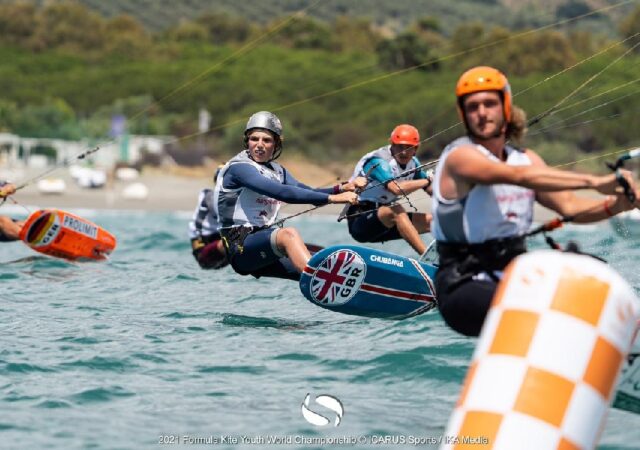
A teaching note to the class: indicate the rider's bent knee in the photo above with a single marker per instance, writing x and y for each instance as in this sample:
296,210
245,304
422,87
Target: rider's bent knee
289,234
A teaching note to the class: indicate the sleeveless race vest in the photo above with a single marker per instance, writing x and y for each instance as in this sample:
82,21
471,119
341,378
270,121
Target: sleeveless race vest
205,220
242,206
487,211
378,193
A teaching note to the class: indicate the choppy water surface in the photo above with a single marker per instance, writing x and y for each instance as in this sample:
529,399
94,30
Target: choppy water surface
117,354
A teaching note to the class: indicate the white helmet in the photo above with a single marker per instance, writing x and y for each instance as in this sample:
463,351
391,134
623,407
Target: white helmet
265,120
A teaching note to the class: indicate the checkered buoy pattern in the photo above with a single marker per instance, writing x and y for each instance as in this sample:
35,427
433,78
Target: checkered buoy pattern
547,360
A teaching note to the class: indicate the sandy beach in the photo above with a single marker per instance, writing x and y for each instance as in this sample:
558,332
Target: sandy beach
166,192
177,188
173,188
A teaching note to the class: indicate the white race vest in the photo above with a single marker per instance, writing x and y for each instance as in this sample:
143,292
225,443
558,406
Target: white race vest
376,192
488,211
242,206
205,220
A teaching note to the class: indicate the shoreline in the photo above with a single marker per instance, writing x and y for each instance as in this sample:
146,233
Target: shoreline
174,188
177,189
180,202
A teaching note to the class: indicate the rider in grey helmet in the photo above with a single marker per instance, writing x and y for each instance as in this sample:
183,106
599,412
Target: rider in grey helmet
247,197
266,121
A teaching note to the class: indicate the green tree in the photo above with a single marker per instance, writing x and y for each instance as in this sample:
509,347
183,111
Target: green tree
68,25
54,118
8,115
223,28
187,31
17,23
429,32
538,52
304,32
355,34
126,37
428,24
466,37
583,42
404,51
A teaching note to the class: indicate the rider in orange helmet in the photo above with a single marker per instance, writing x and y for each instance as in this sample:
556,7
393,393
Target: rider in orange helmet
484,191
392,172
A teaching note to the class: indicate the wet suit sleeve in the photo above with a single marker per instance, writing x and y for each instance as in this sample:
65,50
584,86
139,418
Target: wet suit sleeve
377,169
245,175
290,180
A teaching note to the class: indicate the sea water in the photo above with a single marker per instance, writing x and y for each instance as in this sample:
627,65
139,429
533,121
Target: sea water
147,350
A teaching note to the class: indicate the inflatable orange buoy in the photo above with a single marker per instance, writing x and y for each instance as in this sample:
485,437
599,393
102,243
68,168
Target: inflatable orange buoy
65,235
550,351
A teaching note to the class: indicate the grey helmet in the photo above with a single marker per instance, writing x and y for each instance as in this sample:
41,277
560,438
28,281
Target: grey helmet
267,121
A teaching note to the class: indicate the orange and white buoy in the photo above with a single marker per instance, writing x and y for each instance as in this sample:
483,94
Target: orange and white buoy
546,363
65,235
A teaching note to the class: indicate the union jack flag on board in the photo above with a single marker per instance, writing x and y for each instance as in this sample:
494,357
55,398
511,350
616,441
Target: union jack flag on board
338,277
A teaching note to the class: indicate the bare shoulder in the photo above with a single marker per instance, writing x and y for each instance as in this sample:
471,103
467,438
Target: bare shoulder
470,165
464,151
536,159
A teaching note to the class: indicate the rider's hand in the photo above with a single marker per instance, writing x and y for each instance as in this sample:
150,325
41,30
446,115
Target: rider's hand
360,182
608,184
430,173
7,190
344,197
356,184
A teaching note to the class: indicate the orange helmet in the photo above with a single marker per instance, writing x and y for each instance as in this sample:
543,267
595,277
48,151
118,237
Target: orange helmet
405,134
483,78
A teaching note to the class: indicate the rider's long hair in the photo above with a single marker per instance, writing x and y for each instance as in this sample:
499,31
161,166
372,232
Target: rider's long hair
517,126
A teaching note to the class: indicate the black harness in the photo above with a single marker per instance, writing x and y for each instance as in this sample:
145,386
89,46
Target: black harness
464,261
233,238
354,211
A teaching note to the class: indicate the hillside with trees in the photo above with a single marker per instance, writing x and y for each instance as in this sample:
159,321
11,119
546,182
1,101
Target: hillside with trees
338,84
389,15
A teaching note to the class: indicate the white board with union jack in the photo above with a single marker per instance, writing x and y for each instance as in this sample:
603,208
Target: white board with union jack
368,282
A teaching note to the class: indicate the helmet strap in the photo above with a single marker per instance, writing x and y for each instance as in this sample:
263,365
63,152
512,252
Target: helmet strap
277,152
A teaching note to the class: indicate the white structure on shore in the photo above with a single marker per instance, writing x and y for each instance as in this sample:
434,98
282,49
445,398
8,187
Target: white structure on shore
16,151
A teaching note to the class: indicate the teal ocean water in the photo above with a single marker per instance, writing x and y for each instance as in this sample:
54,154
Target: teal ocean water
147,348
